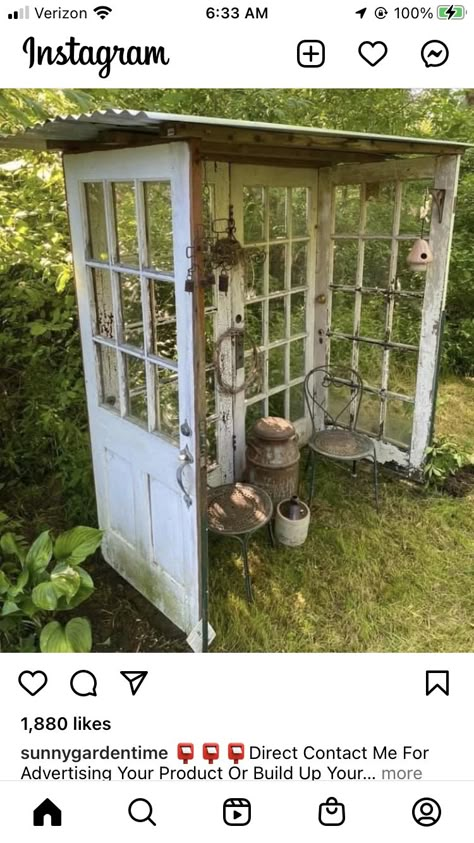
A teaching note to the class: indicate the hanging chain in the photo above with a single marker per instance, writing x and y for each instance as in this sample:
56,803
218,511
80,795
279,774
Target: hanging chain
424,212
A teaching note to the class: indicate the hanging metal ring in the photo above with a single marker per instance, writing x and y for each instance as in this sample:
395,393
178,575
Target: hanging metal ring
222,384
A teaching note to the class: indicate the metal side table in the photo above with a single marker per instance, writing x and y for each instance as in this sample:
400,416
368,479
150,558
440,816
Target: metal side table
238,510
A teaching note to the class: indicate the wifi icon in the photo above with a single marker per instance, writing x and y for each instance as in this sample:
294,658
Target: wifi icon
102,11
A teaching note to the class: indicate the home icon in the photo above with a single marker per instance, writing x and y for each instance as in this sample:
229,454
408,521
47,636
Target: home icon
47,809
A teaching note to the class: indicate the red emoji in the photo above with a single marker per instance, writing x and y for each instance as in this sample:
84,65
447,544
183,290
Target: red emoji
236,752
185,752
210,752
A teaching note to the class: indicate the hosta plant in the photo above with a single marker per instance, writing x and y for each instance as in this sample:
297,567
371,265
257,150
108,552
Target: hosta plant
443,459
47,578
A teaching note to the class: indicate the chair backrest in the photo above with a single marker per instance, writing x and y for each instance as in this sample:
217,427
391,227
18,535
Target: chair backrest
317,386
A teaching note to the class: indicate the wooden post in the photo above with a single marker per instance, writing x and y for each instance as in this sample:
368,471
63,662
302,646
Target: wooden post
199,363
441,232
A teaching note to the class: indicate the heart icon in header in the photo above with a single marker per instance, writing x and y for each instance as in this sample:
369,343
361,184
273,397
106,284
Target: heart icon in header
373,51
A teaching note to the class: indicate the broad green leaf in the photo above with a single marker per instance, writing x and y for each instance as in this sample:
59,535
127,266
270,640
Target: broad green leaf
83,593
40,552
37,329
86,579
10,546
79,635
75,637
66,584
9,607
44,596
53,639
18,587
63,569
77,544
4,582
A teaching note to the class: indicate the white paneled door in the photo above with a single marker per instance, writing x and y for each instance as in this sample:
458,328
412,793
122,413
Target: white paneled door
130,225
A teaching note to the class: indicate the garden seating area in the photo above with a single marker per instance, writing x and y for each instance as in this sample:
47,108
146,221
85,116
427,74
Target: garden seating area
188,279
399,580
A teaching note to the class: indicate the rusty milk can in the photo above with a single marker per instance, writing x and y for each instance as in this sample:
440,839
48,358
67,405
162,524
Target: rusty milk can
273,457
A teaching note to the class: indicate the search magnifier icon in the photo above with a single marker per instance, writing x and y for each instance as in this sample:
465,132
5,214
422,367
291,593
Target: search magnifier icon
140,811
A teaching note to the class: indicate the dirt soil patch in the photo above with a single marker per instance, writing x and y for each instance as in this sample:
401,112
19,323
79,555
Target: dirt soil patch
123,621
461,484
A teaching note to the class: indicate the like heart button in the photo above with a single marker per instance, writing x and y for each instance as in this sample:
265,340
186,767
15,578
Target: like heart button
373,51
32,682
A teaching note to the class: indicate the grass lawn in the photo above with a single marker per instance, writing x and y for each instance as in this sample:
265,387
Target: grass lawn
401,580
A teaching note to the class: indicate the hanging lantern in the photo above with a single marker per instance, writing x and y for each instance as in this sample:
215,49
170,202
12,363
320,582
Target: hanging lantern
420,255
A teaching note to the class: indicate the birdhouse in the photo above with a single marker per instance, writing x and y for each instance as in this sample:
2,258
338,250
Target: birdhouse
420,255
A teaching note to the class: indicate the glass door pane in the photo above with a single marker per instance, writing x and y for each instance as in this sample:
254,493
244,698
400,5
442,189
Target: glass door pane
277,219
135,318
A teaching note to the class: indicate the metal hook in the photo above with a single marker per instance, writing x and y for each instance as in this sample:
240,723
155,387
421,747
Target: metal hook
439,198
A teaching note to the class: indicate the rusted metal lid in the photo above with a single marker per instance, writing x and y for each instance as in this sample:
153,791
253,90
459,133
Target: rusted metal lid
274,428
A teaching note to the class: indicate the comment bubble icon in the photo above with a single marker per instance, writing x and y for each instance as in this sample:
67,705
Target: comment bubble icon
84,684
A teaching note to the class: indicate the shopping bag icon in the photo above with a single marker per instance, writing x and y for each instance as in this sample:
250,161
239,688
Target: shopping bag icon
332,812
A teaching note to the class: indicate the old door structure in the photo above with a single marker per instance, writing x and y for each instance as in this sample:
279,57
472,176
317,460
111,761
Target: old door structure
275,211
178,366
333,287
130,225
381,317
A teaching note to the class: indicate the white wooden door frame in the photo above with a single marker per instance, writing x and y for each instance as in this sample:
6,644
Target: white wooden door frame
216,176
444,171
152,459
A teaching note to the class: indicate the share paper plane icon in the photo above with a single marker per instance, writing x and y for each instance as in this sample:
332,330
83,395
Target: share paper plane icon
135,678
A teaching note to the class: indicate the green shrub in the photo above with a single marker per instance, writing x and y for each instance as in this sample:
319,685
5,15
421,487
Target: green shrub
46,578
443,459
43,408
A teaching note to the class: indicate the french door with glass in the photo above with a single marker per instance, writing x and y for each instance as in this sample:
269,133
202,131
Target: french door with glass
130,223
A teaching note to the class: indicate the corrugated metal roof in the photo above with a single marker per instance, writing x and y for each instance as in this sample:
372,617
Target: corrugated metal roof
85,128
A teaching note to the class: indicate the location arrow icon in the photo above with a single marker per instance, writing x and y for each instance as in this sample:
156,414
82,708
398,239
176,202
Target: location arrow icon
361,12
135,679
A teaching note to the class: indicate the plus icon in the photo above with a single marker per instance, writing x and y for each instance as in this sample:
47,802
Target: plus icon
311,54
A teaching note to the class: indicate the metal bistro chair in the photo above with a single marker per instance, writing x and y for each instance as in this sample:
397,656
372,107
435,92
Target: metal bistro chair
339,441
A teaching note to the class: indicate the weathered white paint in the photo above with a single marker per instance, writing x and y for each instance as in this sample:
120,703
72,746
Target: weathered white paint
324,268
400,169
217,175
150,534
446,178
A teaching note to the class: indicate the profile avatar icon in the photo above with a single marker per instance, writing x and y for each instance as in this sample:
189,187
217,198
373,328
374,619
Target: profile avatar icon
426,812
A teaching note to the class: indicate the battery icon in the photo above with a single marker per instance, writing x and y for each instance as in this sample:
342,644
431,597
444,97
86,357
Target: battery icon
451,12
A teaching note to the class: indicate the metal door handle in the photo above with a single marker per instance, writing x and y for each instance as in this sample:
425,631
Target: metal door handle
185,458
